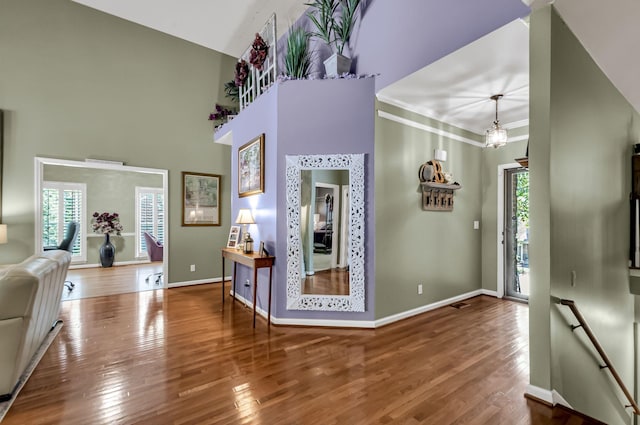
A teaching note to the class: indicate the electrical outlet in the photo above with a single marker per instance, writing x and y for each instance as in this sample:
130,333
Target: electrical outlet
247,283
420,289
476,225
573,277
193,267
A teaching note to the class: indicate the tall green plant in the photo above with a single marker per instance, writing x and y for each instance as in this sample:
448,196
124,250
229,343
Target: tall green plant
321,15
343,27
297,58
332,27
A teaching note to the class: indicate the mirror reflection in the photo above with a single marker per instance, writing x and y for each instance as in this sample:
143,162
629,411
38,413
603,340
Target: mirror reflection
324,234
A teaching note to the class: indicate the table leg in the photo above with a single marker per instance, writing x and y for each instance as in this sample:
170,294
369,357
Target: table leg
223,282
269,313
255,291
235,269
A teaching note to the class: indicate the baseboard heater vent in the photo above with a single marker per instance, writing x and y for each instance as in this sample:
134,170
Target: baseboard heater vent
459,305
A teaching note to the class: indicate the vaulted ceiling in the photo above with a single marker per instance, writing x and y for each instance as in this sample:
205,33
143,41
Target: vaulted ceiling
608,30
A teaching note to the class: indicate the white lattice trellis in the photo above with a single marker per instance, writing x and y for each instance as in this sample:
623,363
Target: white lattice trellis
259,81
296,300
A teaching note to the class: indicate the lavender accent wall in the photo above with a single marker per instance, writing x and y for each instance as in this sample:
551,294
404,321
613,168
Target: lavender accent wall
395,39
303,117
260,117
324,117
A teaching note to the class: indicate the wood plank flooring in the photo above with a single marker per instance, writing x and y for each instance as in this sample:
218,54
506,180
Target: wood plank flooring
99,281
327,282
173,357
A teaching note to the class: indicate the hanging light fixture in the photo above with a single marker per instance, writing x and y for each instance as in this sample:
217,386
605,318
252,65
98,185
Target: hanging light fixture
496,135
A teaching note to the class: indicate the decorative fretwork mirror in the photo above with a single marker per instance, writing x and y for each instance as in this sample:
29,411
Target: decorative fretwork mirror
298,216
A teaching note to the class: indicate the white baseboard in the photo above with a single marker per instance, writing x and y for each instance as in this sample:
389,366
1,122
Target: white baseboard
195,282
117,263
307,322
539,393
366,324
558,399
552,397
423,309
489,293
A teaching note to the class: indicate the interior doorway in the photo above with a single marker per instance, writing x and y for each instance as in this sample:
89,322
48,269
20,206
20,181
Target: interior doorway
325,221
69,190
515,233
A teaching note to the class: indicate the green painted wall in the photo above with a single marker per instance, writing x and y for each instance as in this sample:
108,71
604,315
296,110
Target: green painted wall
491,159
440,250
539,203
77,83
591,128
111,191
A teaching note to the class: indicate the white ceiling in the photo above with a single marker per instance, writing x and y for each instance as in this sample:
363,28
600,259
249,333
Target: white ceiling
455,89
227,26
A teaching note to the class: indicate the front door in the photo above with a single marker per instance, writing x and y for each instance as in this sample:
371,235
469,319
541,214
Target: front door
516,234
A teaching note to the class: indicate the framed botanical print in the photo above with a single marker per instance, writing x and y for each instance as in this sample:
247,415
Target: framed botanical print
200,199
251,167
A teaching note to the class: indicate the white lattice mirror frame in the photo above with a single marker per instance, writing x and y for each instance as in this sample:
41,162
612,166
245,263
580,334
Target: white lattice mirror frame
296,300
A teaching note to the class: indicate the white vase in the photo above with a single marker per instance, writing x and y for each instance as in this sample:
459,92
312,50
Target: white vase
336,65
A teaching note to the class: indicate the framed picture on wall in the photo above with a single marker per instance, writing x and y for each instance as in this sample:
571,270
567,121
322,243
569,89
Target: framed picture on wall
251,167
234,237
200,199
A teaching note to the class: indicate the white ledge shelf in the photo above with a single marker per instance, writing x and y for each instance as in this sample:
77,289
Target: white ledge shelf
434,185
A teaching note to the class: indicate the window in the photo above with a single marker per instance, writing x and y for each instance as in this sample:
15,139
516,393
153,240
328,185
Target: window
149,217
61,204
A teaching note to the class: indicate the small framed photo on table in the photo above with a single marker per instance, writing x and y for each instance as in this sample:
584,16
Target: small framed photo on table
234,237
263,251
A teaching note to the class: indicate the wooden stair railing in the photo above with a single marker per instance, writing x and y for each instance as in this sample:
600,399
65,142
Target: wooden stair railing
583,324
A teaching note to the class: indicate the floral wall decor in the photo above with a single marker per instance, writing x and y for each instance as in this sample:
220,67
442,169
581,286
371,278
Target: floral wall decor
259,52
242,73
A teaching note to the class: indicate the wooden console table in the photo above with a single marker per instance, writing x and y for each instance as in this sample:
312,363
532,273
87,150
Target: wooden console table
255,261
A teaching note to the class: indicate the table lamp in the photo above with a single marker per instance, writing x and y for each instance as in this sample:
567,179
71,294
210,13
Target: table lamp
3,233
244,217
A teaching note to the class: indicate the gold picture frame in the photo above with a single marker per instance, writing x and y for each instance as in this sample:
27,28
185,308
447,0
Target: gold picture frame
200,199
251,167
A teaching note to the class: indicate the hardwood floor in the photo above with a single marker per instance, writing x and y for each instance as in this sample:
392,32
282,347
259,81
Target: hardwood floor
97,282
327,282
173,357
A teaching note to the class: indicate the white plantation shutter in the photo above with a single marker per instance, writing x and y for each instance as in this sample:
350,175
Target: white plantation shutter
61,204
149,217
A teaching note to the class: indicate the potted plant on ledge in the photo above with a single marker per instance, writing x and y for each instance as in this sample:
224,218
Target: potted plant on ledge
334,22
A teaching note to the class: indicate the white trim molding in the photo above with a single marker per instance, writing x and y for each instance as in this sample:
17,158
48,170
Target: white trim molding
440,132
40,162
429,129
363,324
539,393
117,263
196,282
423,309
500,226
548,396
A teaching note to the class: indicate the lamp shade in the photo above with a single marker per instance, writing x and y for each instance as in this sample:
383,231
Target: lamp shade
245,216
3,233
